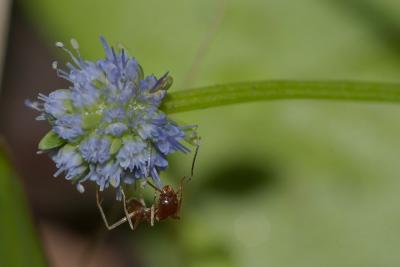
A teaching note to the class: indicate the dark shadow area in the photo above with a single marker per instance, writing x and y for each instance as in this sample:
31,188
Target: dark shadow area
241,178
381,23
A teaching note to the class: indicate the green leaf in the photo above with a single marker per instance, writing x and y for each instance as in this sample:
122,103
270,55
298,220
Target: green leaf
50,140
18,243
235,93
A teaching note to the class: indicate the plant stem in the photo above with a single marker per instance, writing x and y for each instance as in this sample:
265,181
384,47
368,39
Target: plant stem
235,93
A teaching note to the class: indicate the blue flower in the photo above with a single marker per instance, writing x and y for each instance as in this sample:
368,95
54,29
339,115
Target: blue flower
107,125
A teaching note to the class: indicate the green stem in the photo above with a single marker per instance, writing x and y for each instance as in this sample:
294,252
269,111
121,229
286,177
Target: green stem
235,93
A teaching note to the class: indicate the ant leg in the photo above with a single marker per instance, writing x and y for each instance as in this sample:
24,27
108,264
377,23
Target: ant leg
152,209
123,220
118,223
155,197
180,192
152,215
98,201
126,210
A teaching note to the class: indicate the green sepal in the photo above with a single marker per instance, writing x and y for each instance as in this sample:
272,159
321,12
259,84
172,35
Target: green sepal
141,72
51,140
115,146
167,83
68,105
97,83
164,83
90,121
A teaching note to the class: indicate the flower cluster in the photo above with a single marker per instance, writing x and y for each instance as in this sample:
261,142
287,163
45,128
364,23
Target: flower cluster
107,127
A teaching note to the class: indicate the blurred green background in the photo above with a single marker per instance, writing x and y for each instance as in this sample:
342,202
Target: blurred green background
288,183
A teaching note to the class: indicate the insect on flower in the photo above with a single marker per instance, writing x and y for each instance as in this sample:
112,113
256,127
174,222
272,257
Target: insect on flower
103,125
168,205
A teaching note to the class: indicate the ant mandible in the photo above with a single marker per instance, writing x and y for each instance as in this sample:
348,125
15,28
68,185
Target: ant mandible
168,205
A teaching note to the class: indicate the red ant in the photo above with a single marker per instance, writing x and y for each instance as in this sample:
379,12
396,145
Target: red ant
168,205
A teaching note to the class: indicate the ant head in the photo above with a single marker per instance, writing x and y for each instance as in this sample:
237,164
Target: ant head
168,201
168,190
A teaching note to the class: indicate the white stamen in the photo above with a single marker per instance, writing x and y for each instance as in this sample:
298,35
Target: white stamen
54,65
41,117
33,104
74,44
80,188
59,45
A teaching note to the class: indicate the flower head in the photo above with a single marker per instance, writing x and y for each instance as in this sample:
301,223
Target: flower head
107,127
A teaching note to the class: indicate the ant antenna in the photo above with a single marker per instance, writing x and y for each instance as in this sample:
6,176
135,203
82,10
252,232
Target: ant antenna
193,162
126,210
153,186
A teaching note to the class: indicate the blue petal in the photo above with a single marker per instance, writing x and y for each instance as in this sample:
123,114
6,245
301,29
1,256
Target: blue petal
106,47
133,154
115,114
68,126
95,150
54,104
69,160
116,129
132,70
